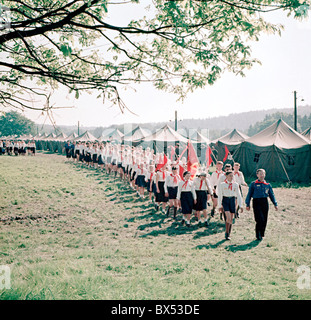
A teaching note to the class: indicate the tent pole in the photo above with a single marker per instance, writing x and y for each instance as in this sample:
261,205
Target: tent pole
295,110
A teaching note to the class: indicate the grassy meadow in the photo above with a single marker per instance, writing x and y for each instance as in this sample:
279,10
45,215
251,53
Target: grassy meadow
69,232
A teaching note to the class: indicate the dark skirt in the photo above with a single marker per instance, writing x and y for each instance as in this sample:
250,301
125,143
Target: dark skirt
228,204
140,181
100,160
132,174
160,197
95,158
87,157
186,201
172,192
153,187
201,200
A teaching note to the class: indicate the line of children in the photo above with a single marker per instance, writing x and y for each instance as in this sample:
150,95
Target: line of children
17,147
167,189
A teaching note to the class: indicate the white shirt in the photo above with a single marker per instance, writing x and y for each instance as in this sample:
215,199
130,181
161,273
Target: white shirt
227,189
239,177
221,179
186,186
215,177
169,181
204,186
161,176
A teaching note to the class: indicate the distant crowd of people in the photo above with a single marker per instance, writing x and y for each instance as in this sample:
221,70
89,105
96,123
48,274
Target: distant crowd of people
170,186
17,147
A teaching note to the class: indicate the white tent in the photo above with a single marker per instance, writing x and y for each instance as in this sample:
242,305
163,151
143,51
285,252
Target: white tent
85,137
165,134
72,137
136,134
114,136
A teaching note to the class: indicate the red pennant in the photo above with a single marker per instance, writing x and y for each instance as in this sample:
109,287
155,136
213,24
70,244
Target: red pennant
226,155
209,159
193,161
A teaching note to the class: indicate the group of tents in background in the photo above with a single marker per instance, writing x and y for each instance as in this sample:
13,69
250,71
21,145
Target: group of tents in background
284,153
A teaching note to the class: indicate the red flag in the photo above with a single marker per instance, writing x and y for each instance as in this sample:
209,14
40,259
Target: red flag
172,153
181,172
209,159
192,161
226,155
162,163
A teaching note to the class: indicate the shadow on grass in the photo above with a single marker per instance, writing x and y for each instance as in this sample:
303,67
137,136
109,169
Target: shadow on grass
210,245
232,248
243,247
176,228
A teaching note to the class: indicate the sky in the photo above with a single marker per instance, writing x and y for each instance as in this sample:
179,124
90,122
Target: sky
286,67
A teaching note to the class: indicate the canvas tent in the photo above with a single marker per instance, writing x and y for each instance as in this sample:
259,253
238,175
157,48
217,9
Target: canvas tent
49,137
280,150
231,140
163,138
114,136
85,137
307,133
200,144
137,134
60,137
72,136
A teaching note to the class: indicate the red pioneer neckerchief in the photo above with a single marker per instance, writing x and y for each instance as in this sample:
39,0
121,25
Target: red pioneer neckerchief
230,184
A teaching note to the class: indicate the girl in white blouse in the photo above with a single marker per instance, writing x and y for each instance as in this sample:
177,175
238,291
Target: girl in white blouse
228,194
187,197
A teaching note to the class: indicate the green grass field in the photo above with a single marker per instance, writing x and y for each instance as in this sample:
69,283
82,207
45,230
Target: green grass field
68,232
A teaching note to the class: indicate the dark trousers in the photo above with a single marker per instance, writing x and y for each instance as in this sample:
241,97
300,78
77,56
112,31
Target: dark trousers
261,208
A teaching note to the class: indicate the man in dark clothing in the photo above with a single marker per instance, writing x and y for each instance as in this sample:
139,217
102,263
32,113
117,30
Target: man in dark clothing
260,190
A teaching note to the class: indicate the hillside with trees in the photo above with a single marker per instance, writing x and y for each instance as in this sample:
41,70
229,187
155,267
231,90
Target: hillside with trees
248,122
303,123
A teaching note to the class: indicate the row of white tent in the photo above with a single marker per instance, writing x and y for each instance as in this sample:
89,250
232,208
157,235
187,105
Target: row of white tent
282,151
139,134
164,134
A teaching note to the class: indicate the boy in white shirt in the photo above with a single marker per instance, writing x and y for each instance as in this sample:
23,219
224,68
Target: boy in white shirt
214,182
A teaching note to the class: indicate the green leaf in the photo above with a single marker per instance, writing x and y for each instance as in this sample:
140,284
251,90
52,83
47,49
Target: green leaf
66,50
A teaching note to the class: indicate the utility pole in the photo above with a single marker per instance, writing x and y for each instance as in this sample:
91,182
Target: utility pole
175,120
295,110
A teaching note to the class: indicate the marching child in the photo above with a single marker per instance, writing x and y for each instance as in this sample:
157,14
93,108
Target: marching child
187,197
202,189
171,188
228,193
150,180
214,182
